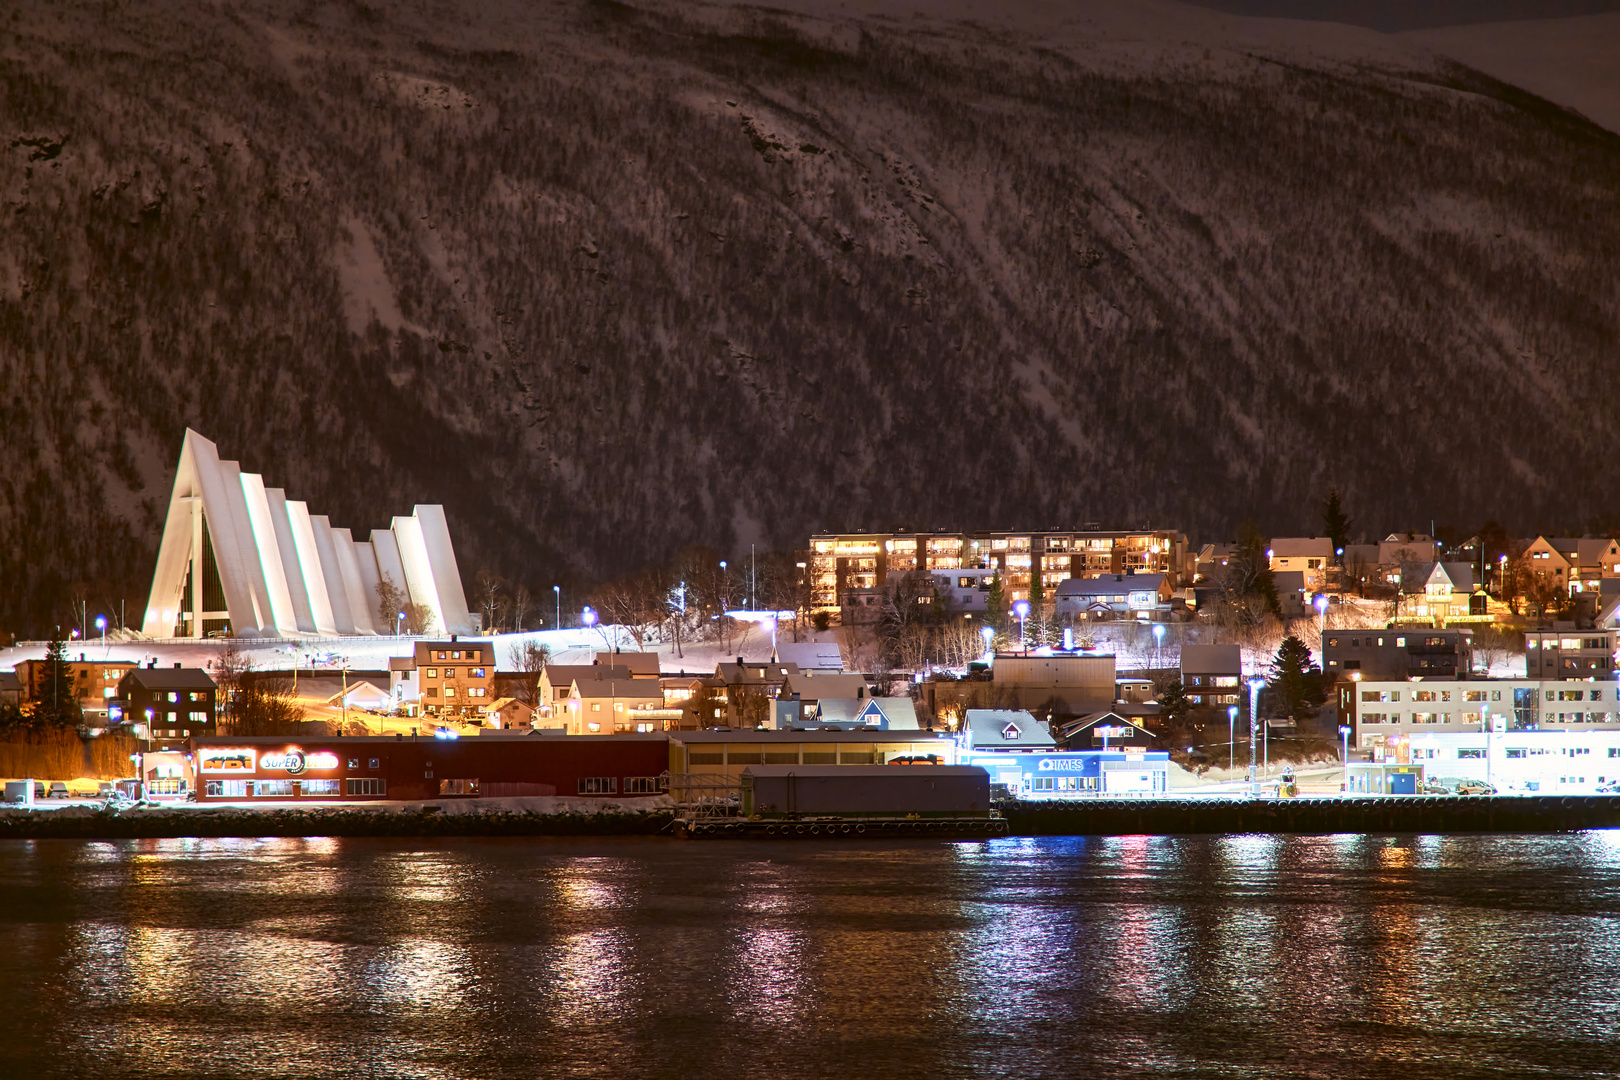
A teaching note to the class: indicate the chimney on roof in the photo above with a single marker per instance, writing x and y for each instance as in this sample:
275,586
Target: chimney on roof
452,639
739,661
151,665
177,665
81,658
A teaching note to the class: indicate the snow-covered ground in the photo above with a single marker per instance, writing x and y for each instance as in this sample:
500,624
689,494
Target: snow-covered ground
333,655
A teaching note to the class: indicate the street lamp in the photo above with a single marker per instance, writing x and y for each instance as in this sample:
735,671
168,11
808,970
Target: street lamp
1021,609
101,624
1254,719
1158,645
1231,737
556,594
1344,733
1485,726
989,634
588,616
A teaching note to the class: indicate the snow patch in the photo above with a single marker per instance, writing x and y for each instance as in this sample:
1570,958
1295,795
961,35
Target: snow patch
368,294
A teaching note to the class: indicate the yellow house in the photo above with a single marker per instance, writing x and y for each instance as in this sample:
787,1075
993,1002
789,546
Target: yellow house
605,706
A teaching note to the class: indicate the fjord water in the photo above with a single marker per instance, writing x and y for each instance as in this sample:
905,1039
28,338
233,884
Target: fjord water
1244,956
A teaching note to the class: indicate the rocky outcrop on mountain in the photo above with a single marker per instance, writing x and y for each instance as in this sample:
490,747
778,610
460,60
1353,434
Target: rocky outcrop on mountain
605,279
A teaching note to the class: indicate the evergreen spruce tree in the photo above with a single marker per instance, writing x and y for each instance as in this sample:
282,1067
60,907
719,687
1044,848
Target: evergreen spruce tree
996,605
1335,523
55,702
1296,680
1174,704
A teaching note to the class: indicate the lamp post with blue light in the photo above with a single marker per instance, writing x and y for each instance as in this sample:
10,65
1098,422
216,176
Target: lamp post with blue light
1021,609
1231,737
101,624
989,633
556,594
1254,721
1158,645
1344,734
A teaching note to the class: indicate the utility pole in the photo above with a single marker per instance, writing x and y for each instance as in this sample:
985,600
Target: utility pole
1254,719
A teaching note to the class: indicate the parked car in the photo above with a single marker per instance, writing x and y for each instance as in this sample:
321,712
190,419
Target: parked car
1474,787
39,790
1434,787
105,788
59,790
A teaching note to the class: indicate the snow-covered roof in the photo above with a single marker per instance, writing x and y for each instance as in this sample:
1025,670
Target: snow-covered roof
1007,729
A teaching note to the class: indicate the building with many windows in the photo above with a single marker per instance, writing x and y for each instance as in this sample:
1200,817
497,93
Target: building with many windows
1400,653
1569,654
444,678
842,563
1382,711
1568,762
95,683
167,706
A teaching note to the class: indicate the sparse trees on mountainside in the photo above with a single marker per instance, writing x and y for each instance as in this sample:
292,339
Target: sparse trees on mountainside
596,319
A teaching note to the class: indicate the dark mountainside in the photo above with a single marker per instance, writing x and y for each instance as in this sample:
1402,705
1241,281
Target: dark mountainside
607,280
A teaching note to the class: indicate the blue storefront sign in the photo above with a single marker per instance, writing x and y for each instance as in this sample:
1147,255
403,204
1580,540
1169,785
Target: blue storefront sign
1073,775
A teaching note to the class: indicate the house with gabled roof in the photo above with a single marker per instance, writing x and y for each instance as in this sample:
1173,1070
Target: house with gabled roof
885,713
1005,729
1104,730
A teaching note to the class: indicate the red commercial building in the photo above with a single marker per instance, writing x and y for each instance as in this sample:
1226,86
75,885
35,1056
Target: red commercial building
277,769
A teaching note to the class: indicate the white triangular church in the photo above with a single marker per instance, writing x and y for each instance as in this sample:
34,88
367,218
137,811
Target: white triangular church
242,559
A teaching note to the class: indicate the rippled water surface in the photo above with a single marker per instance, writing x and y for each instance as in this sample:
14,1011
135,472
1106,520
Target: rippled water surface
1243,956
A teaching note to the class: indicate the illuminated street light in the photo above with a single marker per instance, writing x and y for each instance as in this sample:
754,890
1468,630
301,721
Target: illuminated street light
1254,720
1231,737
989,633
101,624
588,616
1158,645
1021,609
556,594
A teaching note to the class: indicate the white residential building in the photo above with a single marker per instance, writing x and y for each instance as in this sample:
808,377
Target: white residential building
1517,762
1385,713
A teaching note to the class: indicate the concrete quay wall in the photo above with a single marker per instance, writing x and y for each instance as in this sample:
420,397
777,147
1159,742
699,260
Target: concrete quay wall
1356,814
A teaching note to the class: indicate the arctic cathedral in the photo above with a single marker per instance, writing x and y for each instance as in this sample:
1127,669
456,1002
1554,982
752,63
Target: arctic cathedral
242,560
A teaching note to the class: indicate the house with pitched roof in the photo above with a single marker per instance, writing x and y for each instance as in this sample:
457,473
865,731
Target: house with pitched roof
1005,729
1310,556
885,713
602,706
1144,597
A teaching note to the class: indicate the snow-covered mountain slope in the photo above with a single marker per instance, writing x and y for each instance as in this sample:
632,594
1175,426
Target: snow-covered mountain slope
606,278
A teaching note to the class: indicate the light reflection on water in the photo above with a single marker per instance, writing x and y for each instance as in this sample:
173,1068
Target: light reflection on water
1221,956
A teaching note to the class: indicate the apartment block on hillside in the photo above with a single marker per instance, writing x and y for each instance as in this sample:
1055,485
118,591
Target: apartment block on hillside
843,563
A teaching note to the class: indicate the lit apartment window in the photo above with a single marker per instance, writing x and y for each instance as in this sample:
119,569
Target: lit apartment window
432,673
